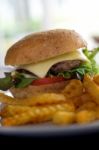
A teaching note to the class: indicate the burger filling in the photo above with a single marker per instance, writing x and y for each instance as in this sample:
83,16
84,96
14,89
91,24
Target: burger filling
73,65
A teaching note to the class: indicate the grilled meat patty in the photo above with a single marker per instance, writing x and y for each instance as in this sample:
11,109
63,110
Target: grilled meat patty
64,66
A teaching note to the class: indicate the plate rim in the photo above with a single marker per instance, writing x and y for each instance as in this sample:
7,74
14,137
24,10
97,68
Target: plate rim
47,131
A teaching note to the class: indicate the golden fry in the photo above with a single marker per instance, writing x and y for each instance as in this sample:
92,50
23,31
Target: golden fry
96,79
85,116
97,112
76,101
42,99
35,114
85,97
63,117
80,100
88,106
12,110
48,98
6,99
92,88
73,89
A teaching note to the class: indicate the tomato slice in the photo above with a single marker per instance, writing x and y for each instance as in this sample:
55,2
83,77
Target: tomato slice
47,80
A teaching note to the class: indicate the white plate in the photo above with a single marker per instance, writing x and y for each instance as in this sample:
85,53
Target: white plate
43,130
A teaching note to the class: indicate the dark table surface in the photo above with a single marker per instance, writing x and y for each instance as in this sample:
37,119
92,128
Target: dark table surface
83,140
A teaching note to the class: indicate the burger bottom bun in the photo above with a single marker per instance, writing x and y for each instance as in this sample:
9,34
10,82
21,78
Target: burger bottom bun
35,90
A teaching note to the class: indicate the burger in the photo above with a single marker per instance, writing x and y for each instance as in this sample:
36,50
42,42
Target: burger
46,62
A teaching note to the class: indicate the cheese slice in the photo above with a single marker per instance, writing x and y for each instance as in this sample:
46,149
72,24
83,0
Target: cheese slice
41,68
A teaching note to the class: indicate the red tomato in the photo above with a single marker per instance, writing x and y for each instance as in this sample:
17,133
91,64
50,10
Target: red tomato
47,80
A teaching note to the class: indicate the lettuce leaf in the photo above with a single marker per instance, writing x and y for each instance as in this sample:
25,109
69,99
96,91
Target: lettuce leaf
77,72
89,67
91,57
18,80
6,83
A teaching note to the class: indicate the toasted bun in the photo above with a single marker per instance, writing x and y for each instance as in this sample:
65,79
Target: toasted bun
43,45
35,90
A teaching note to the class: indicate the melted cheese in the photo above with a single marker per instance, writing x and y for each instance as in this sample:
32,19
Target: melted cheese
41,68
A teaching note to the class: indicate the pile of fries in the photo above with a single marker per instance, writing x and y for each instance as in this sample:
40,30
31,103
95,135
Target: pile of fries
77,103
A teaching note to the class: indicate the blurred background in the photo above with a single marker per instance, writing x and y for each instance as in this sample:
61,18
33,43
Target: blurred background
20,17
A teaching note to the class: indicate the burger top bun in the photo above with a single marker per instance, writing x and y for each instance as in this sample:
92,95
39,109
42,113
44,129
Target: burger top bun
43,45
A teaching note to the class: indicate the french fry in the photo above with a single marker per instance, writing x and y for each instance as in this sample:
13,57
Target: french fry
12,110
85,116
96,79
63,117
35,115
48,98
80,100
87,106
97,112
76,101
6,99
41,99
85,97
92,88
73,89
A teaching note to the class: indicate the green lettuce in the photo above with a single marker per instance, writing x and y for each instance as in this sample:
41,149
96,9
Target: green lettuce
90,67
77,72
91,57
6,83
17,80
20,81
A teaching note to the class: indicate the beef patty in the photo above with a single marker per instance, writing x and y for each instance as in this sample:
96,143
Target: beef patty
64,66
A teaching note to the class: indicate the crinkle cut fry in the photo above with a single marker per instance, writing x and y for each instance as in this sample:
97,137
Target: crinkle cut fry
73,89
92,88
34,115
11,110
42,99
